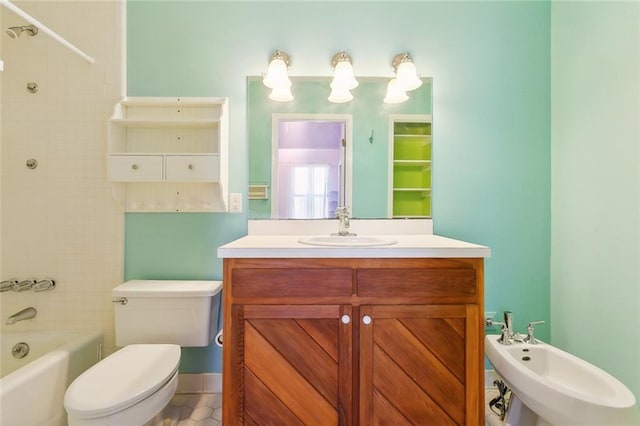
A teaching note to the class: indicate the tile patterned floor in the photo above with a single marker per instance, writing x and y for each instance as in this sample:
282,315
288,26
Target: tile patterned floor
192,410
206,410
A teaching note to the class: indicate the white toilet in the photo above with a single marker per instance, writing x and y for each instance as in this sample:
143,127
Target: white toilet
153,319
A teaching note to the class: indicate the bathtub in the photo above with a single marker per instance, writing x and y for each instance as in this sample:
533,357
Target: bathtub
32,388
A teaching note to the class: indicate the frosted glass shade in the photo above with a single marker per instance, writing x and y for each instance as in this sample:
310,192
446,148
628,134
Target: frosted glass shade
340,95
407,76
277,75
395,94
281,93
343,77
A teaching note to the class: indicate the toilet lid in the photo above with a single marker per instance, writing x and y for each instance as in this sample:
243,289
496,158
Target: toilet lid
121,380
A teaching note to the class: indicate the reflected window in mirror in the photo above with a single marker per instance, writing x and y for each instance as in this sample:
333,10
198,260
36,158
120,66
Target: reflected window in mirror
308,171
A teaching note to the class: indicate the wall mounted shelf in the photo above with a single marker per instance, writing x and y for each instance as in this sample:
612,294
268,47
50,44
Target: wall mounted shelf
169,154
410,166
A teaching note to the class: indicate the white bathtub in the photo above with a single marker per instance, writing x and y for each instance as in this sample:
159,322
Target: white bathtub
32,388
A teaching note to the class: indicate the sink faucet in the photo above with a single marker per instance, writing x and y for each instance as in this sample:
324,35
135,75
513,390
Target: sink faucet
24,314
342,214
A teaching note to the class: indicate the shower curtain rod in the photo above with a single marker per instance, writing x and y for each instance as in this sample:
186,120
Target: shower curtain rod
42,27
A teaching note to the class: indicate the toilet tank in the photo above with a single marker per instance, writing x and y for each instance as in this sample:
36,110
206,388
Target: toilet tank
184,313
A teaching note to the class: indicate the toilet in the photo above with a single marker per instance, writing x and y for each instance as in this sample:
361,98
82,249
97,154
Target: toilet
153,319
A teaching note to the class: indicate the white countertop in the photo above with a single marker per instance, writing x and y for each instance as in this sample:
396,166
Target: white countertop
407,246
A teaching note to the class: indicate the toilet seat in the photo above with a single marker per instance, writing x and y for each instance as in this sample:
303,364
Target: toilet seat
121,380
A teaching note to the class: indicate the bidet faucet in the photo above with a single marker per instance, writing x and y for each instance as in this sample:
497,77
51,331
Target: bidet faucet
504,338
342,214
24,314
530,330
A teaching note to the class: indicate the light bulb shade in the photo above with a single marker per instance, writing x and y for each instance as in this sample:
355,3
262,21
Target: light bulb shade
395,94
277,75
343,76
407,77
281,93
340,95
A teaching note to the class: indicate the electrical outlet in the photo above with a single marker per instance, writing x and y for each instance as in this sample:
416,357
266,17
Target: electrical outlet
235,202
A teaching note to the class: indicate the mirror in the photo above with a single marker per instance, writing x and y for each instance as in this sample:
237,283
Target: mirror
364,171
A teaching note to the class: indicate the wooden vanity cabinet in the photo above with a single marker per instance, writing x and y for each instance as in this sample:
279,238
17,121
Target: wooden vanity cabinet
353,341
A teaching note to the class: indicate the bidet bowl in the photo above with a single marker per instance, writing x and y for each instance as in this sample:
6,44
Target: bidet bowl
561,388
346,241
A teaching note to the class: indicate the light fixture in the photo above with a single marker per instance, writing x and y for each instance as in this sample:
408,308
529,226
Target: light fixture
277,77
343,79
406,75
281,94
340,95
395,94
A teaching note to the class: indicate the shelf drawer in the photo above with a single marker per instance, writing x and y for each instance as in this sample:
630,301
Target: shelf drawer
126,168
192,168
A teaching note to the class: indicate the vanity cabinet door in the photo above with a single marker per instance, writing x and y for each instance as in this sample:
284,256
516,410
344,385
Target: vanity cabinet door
414,365
294,364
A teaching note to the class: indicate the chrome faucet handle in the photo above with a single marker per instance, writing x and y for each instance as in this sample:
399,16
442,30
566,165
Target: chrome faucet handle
530,332
504,338
7,285
43,285
23,285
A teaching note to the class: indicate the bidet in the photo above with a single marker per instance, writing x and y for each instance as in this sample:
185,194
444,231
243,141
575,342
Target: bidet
552,387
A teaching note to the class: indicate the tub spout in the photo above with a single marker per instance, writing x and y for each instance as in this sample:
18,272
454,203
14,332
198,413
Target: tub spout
24,314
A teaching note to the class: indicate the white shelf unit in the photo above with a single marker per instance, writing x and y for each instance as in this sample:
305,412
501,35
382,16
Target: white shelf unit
169,154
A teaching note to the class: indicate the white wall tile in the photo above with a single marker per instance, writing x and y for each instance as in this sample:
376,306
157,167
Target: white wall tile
60,221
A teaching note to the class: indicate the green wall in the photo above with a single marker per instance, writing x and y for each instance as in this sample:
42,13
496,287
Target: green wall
596,185
490,66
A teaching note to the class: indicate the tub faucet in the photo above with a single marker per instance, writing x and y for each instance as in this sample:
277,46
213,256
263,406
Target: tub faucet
23,285
7,285
342,214
24,314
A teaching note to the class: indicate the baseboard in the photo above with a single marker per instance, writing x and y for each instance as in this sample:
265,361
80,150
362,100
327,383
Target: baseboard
200,383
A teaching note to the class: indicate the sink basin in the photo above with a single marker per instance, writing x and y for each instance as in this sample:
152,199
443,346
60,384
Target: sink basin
346,241
550,386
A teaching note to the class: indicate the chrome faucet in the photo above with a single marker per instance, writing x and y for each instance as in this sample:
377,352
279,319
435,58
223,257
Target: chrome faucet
504,338
7,285
530,330
24,314
23,285
43,285
342,214
508,321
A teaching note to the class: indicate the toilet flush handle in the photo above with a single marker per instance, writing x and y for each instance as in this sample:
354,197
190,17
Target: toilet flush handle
120,300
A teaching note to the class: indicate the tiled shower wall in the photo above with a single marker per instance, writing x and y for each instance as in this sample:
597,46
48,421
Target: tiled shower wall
60,220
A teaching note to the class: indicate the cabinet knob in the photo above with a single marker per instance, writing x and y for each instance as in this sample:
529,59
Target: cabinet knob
366,320
346,319
134,166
